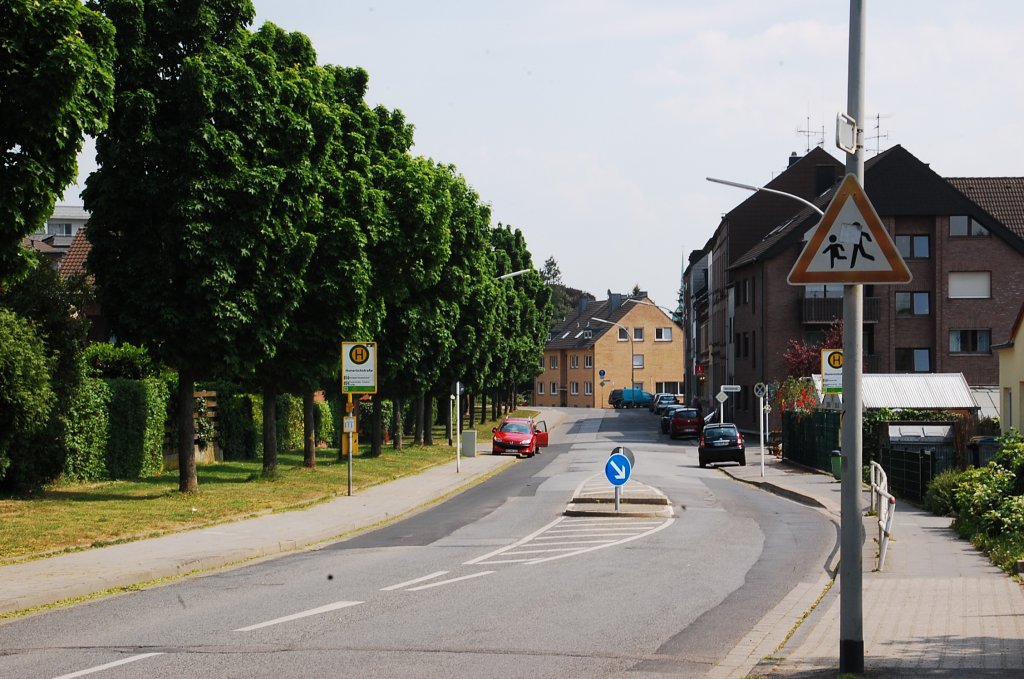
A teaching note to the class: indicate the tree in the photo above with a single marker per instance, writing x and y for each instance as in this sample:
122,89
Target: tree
195,244
56,85
27,398
550,273
803,359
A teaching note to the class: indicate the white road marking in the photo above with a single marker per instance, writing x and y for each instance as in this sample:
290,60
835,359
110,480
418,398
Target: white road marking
413,582
513,545
668,522
449,581
304,614
100,668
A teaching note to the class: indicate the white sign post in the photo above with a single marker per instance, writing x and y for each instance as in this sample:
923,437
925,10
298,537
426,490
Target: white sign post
721,397
759,391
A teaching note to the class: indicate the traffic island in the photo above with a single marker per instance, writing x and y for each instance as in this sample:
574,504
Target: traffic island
595,497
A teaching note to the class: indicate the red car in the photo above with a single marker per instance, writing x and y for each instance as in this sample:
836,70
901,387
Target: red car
685,422
519,435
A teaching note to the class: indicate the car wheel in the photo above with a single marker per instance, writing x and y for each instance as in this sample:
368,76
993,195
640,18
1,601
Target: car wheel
702,464
742,461
495,452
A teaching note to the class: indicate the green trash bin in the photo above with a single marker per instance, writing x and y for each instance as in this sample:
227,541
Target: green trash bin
837,465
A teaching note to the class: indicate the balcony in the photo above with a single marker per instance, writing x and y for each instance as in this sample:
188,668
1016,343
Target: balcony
825,309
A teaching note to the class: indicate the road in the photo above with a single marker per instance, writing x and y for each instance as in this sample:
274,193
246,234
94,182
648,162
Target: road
495,582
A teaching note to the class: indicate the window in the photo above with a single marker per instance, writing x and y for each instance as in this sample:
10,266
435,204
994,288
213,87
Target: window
962,225
638,334
540,387
663,334
912,303
554,388
753,349
746,345
554,362
574,361
913,247
588,333
623,335
574,388
970,284
588,388
638,360
58,229
970,341
829,290
913,360
588,361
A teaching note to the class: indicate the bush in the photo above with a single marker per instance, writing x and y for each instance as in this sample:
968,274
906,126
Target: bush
978,494
237,432
118,361
323,423
26,396
941,495
138,413
87,431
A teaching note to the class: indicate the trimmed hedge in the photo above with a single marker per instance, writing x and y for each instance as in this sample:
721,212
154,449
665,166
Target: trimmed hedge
87,431
138,412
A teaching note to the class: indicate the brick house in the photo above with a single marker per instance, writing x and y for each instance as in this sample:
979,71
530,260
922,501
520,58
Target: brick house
968,280
647,349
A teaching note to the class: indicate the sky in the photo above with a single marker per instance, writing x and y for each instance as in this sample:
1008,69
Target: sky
591,125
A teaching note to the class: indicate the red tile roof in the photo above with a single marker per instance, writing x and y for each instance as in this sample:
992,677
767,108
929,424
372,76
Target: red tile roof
74,261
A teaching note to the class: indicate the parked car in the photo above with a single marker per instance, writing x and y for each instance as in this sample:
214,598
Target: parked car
630,398
685,422
519,435
662,402
666,417
657,399
721,443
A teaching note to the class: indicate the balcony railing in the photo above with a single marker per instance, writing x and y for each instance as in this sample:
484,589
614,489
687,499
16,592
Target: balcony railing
826,309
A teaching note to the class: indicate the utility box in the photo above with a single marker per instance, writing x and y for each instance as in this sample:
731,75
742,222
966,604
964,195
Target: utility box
469,443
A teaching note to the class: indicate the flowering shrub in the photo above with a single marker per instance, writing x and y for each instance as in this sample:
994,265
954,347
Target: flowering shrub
796,394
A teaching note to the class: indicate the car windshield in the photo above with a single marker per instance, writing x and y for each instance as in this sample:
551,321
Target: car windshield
515,428
685,412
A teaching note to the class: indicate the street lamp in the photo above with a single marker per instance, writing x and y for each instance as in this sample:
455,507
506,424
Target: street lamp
514,274
748,187
647,302
632,366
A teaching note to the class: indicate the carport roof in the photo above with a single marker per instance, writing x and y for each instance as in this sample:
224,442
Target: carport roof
933,391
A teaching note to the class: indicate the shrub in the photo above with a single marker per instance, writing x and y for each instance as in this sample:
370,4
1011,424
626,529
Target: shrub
138,412
118,361
87,431
941,495
236,426
979,492
323,423
26,396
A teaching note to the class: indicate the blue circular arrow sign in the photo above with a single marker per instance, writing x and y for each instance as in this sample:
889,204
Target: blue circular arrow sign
617,469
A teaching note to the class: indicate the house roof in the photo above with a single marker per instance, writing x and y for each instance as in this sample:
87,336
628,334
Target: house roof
898,183
76,212
1001,197
571,332
74,261
931,391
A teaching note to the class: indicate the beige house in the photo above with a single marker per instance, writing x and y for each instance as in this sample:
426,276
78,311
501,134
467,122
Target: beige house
634,342
1011,377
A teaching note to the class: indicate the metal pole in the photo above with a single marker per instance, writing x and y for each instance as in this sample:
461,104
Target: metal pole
458,428
760,429
351,411
618,495
851,625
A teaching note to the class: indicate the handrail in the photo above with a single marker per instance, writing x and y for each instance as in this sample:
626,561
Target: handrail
885,510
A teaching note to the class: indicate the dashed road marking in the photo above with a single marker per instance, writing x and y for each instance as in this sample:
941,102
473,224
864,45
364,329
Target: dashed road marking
100,668
302,614
402,585
449,581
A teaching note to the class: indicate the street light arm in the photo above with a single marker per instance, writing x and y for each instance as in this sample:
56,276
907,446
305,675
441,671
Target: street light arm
748,187
514,274
634,300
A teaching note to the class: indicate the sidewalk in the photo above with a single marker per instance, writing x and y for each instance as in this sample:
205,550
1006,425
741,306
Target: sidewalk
938,609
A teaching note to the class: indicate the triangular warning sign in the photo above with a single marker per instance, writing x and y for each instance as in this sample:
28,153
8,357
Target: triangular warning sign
850,245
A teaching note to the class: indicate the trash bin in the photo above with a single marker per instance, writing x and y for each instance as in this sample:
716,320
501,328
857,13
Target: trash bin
983,449
469,443
837,465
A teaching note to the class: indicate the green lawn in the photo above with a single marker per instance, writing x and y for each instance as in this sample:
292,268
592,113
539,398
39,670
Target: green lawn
67,517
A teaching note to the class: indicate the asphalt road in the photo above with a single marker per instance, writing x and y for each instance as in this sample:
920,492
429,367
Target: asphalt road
495,582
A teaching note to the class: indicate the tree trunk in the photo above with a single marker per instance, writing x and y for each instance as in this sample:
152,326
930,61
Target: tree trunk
309,430
448,423
428,419
269,431
418,409
377,436
471,403
187,481
396,424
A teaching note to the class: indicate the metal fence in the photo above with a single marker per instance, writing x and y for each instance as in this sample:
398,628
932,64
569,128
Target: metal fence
810,438
911,469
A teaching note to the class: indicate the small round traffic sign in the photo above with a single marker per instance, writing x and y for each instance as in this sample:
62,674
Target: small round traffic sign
600,373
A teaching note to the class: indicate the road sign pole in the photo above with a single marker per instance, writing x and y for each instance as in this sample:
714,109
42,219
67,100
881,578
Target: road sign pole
760,428
618,496
851,624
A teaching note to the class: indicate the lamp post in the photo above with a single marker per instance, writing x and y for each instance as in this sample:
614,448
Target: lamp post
514,274
632,367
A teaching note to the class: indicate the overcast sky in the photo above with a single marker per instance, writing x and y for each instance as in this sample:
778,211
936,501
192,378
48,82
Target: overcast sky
591,124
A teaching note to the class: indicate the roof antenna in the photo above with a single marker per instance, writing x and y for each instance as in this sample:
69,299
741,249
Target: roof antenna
878,132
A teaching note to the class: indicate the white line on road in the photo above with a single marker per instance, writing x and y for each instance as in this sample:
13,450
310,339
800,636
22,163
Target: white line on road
100,668
413,582
668,522
514,544
449,581
304,614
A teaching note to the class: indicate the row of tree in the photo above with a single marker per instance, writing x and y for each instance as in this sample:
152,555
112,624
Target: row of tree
250,211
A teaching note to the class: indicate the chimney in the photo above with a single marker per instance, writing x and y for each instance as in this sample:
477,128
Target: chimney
614,300
582,305
793,157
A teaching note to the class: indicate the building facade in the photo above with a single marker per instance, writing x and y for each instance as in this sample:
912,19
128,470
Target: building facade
968,280
634,343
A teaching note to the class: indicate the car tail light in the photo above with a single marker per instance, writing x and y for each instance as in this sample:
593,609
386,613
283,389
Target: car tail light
739,439
700,442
